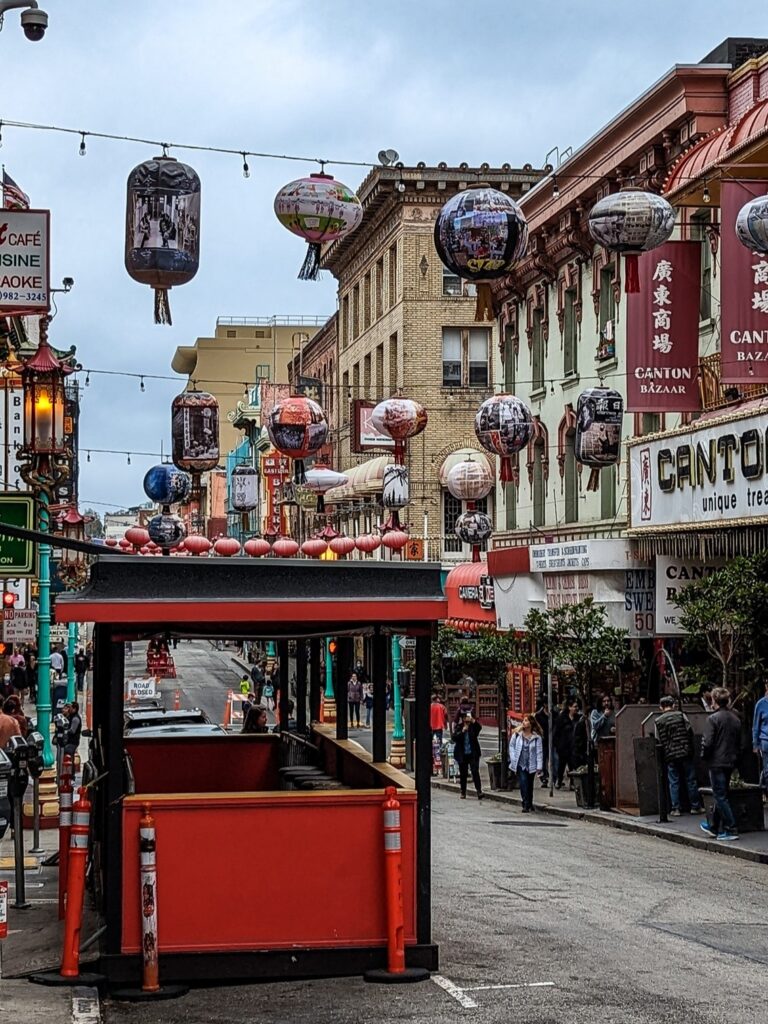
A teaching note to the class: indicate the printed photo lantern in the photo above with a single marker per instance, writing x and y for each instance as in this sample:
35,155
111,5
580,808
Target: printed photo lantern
166,530
399,418
395,490
599,418
474,528
320,479
504,426
195,431
629,223
167,485
752,225
479,235
470,480
318,209
162,228
297,427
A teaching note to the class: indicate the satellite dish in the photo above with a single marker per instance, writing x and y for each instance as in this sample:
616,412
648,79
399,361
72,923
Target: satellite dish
387,157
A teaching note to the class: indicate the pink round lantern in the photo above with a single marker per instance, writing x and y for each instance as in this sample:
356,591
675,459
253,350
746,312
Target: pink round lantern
399,418
320,210
144,550
197,545
285,547
342,546
395,540
368,543
321,479
227,547
152,546
110,542
314,547
137,536
125,545
257,546
470,480
297,427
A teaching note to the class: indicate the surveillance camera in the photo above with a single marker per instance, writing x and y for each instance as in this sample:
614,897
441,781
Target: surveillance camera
34,22
68,283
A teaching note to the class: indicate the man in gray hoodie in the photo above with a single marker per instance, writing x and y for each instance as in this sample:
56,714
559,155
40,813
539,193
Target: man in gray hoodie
720,749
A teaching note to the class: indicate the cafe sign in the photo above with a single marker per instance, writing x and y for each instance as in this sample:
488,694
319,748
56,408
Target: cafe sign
703,476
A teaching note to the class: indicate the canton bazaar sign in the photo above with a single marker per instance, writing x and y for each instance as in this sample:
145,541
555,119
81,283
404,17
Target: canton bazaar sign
707,476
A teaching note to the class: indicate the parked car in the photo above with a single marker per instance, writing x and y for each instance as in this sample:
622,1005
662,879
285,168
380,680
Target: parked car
177,729
143,718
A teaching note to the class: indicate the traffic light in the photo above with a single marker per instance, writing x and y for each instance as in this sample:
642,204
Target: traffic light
4,649
332,646
9,599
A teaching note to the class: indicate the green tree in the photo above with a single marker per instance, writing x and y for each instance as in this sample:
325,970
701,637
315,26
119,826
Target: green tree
96,527
726,611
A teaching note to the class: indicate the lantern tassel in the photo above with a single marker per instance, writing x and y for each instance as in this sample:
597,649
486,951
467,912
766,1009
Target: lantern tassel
484,303
310,268
299,474
593,484
320,503
632,280
162,307
506,469
475,552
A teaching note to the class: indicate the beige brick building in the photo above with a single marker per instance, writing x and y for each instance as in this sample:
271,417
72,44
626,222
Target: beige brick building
406,327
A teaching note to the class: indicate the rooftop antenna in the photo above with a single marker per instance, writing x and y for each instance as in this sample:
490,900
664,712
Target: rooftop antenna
388,157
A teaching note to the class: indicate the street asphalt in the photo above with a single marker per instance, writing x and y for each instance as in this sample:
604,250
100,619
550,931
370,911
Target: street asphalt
539,920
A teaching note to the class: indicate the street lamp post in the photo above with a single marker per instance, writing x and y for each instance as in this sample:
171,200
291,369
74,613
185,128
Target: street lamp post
397,749
45,465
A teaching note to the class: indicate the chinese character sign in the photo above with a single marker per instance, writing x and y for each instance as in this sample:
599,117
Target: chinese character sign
743,293
663,331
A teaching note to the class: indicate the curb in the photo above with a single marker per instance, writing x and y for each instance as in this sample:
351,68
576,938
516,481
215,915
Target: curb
623,824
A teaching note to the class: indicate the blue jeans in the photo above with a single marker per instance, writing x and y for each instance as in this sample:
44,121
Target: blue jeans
678,773
722,816
525,782
763,747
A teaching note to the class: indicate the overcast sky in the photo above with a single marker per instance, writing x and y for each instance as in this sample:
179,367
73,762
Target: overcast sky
475,81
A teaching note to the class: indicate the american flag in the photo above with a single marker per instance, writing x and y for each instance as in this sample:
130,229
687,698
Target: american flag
13,197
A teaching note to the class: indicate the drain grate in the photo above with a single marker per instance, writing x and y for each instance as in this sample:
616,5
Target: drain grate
532,824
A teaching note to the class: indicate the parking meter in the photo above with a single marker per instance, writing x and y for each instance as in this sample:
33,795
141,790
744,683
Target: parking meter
5,805
35,743
60,724
19,753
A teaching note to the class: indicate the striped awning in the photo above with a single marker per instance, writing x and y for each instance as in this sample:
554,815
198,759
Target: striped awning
363,479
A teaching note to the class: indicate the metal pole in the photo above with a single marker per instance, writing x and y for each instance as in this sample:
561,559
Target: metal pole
36,848
329,692
18,855
44,637
426,538
71,643
551,731
397,697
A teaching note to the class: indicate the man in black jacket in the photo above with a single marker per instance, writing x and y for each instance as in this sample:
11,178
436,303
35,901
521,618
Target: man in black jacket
466,751
720,748
675,734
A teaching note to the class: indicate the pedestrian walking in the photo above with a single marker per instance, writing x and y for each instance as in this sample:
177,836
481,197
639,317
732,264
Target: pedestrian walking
354,697
438,719
31,673
564,740
18,666
526,758
675,734
81,667
466,704
466,751
720,748
368,700
57,662
542,720
268,693
760,736
245,683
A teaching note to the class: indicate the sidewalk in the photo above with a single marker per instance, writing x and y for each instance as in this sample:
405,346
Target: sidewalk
685,830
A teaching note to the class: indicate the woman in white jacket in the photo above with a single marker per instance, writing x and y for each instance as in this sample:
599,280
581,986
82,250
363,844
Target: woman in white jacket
526,757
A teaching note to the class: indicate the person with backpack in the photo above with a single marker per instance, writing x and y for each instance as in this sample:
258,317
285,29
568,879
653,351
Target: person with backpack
674,733
268,693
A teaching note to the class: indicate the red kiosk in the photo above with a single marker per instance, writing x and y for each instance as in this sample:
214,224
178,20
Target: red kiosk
255,880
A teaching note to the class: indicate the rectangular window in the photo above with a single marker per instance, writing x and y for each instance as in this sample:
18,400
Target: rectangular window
344,321
263,371
571,481
510,499
478,356
392,275
451,357
607,300
379,372
452,509
367,301
537,351
356,380
650,423
393,358
509,360
367,376
344,397
355,311
380,288
451,283
608,492
570,334
538,485
699,223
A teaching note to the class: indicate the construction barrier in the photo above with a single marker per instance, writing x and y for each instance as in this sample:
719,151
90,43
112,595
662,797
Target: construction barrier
78,858
233,710
177,699
65,826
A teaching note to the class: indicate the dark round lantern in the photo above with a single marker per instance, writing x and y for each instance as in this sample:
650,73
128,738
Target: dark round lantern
195,431
167,485
631,222
599,418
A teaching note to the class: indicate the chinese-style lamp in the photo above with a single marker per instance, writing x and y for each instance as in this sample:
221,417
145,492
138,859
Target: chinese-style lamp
631,222
162,228
318,209
504,426
473,527
167,485
72,563
195,431
395,539
470,480
166,531
328,533
599,418
297,427
111,542
399,418
752,225
43,383
479,235
244,489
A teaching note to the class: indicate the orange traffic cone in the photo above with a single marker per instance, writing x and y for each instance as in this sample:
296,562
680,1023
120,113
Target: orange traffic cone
177,700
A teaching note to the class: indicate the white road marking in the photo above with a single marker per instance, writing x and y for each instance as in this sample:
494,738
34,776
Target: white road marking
454,991
85,1006
524,984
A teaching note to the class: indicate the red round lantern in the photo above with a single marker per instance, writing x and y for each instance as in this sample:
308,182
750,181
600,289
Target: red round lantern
137,536
367,543
285,547
144,550
197,545
297,427
227,547
110,542
257,546
395,540
124,544
342,546
314,547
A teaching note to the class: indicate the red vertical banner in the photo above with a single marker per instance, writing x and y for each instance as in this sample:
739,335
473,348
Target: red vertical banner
743,292
663,331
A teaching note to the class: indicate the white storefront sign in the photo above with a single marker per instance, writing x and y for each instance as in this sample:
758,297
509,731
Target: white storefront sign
713,475
580,556
24,261
672,575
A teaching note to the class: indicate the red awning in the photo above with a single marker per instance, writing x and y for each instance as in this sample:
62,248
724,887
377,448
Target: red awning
468,593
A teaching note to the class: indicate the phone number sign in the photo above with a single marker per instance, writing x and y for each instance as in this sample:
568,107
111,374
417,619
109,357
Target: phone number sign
24,261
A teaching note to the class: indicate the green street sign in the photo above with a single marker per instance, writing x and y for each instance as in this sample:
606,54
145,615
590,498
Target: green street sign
17,557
